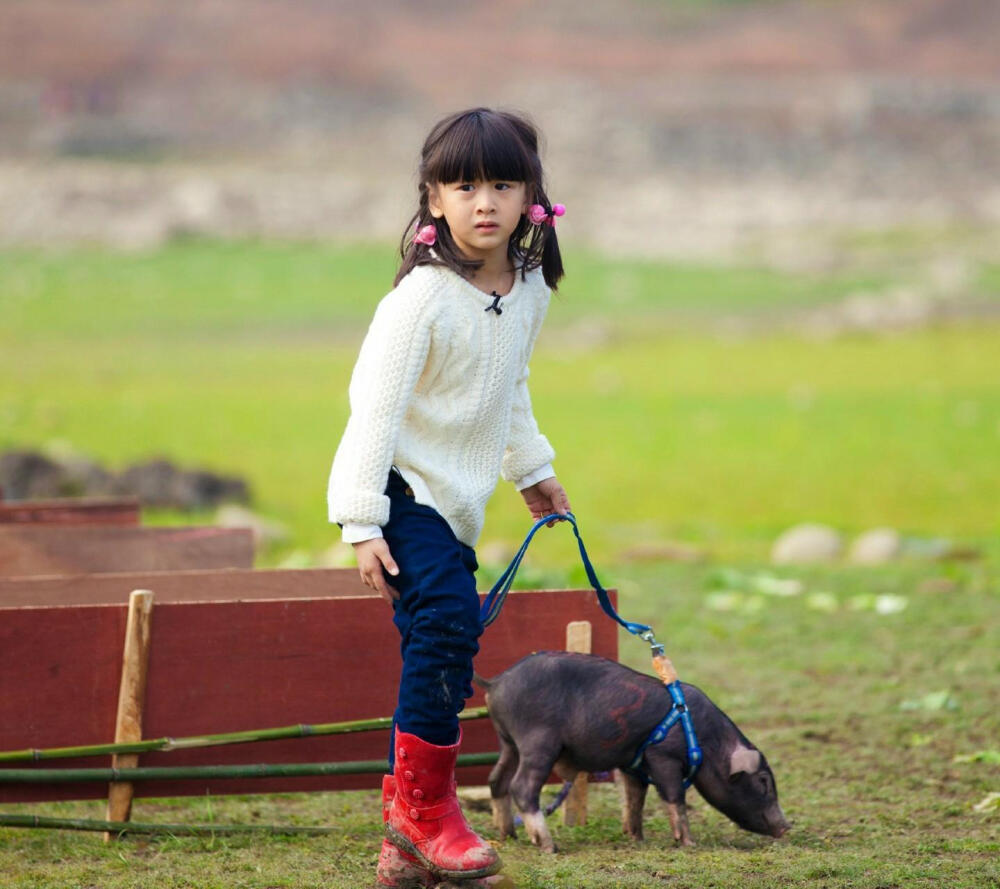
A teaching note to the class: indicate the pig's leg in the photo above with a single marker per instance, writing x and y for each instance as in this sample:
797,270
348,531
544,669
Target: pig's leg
500,777
526,788
679,823
668,776
634,798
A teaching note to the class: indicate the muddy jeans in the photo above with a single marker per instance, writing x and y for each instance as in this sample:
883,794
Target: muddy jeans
437,615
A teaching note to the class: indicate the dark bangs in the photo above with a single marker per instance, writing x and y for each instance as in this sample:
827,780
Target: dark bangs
477,145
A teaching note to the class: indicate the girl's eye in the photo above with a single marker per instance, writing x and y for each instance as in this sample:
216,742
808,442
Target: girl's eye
502,186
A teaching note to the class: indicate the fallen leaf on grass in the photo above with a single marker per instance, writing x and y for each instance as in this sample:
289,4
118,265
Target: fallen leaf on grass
725,579
932,702
724,601
733,600
988,756
731,580
770,585
989,803
823,602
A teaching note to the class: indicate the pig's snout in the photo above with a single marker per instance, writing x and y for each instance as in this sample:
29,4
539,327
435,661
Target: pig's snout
777,823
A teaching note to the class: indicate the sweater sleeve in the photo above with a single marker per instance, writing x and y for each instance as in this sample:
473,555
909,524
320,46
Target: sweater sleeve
389,365
527,451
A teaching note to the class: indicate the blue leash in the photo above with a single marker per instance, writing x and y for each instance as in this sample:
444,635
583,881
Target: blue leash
678,712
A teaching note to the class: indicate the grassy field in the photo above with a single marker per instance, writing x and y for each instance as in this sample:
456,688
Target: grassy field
873,691
236,357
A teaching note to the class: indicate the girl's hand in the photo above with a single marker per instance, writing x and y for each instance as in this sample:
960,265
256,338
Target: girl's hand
545,498
373,556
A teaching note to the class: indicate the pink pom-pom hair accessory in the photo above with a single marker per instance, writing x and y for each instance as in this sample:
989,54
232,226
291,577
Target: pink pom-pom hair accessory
426,235
539,215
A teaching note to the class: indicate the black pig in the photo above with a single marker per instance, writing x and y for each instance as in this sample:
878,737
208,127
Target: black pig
581,713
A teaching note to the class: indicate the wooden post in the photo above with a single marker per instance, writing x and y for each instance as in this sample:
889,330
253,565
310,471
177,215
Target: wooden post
578,638
131,698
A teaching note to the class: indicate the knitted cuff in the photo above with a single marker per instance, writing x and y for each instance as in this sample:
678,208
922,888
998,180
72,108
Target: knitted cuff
526,459
357,507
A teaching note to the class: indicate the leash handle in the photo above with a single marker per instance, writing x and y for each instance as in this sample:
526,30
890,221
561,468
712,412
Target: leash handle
498,594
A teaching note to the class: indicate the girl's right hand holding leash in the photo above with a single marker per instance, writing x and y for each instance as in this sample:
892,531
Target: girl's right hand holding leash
373,556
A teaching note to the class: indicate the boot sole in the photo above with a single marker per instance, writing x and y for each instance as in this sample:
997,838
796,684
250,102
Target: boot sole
401,842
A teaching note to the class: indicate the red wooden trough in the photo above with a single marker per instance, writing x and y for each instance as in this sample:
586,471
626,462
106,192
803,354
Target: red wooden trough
233,650
29,549
71,511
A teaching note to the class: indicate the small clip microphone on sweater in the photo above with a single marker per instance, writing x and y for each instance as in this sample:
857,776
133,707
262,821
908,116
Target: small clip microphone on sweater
496,304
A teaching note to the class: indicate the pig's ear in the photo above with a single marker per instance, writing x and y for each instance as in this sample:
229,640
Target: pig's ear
743,759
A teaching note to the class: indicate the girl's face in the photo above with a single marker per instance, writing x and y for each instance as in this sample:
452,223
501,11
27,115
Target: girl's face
481,214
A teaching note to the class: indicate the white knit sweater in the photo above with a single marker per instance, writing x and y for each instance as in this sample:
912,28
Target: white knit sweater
440,391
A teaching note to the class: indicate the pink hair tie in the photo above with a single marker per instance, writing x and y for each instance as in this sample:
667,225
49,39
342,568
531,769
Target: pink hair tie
539,215
426,235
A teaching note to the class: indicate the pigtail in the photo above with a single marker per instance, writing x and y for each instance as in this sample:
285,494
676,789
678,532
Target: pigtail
534,246
410,252
445,251
552,265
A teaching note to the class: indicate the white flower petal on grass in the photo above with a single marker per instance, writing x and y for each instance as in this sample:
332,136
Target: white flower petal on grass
889,604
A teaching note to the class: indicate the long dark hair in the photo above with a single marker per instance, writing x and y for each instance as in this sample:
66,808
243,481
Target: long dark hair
487,145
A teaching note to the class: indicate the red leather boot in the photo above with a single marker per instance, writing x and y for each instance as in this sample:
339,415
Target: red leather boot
396,869
425,819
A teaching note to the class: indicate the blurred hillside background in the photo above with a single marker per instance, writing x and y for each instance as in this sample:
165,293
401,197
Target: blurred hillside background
679,128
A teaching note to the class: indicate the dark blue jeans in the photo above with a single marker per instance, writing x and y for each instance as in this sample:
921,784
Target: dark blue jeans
437,615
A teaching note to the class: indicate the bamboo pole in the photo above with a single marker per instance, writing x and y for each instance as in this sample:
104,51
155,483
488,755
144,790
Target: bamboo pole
578,638
168,745
40,821
184,773
131,699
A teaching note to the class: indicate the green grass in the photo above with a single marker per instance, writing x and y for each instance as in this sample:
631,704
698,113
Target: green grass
872,788
236,357
207,289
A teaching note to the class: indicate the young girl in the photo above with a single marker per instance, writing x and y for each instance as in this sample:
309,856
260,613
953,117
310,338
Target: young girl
439,409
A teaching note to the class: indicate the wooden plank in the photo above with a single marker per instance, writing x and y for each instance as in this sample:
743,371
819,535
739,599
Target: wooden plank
84,511
131,699
227,666
27,550
220,585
